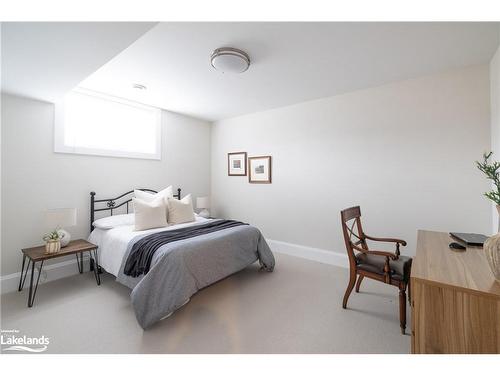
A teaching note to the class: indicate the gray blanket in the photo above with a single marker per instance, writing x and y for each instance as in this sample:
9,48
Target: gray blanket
179,269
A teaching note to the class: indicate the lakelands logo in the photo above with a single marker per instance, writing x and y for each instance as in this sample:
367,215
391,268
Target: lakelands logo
12,340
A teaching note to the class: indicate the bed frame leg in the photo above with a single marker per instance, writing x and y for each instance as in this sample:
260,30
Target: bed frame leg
99,270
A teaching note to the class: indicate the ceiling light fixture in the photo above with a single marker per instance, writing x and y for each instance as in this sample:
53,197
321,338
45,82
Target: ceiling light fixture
230,60
138,86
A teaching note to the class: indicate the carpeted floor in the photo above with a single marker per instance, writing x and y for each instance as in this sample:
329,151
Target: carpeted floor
295,309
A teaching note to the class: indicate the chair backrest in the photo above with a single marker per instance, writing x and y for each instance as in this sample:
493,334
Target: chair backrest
353,231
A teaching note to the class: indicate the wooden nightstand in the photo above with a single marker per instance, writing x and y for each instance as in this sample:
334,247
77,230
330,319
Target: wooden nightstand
37,254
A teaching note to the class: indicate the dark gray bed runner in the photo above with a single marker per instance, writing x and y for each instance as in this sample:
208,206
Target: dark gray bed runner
142,252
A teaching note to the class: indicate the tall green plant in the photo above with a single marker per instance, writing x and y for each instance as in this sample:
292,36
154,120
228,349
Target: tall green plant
492,171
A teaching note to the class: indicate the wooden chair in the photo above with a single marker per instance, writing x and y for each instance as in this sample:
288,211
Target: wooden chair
387,267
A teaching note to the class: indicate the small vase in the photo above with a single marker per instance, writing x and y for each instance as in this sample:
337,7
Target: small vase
492,252
52,246
64,237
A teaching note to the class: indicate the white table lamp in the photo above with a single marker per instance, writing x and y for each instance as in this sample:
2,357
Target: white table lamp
203,203
60,218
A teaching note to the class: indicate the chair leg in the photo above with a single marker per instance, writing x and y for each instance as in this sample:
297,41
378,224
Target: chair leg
350,286
358,284
409,292
402,309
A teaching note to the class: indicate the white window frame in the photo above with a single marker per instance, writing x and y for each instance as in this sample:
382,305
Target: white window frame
59,130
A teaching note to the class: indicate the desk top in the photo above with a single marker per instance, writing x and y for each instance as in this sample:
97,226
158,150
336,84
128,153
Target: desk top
38,253
468,270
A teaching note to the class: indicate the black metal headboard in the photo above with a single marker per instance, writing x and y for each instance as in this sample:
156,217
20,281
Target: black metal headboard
111,204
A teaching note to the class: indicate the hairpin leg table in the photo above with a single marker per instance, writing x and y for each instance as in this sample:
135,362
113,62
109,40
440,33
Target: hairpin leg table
38,255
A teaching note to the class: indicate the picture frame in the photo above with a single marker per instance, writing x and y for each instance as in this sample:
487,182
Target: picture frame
260,170
237,164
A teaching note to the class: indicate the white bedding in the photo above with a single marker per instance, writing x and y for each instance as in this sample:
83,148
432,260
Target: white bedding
113,242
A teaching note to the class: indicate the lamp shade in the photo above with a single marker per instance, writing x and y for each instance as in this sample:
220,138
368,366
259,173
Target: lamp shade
60,217
203,202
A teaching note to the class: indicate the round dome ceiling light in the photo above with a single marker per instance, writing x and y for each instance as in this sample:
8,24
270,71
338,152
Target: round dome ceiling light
230,60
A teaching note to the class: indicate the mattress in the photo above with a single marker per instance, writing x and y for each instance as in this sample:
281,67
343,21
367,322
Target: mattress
113,243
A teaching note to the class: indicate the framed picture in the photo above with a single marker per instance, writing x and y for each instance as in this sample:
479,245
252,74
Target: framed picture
237,164
260,170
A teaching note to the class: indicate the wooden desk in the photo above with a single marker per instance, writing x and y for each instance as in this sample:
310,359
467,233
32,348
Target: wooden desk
455,300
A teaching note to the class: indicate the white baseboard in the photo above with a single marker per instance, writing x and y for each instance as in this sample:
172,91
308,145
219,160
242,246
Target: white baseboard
10,283
311,253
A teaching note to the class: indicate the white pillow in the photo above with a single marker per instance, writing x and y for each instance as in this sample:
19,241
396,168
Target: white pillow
149,197
150,215
111,222
180,211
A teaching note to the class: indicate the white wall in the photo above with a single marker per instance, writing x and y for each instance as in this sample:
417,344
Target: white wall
404,152
495,118
34,178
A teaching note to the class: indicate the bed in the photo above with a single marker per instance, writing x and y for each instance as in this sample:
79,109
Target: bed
182,265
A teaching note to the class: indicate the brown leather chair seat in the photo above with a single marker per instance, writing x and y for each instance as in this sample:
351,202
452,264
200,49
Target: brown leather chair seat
400,268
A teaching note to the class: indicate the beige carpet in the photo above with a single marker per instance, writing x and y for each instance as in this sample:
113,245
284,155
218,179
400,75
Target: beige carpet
296,309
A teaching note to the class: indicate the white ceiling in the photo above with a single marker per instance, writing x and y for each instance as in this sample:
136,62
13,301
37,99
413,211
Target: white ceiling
43,60
291,62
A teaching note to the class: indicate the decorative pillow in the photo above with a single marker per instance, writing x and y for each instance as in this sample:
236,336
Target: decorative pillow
111,222
150,215
180,211
149,197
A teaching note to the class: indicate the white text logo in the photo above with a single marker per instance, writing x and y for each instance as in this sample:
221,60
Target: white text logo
11,340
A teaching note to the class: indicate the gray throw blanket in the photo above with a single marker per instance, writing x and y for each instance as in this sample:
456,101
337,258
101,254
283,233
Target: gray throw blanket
141,255
179,269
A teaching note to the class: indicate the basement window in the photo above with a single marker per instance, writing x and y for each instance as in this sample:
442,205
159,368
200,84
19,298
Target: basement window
92,123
